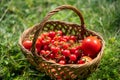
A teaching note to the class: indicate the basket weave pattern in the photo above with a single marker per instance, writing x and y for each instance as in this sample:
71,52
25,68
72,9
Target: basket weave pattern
55,70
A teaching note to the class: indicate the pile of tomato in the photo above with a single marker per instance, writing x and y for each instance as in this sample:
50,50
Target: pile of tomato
65,49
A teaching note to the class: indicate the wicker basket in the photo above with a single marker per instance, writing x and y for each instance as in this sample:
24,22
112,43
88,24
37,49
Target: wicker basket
55,70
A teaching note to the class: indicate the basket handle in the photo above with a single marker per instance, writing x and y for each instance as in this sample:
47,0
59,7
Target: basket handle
40,25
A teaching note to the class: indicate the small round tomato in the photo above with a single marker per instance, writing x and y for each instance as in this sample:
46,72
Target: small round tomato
81,61
77,53
42,52
38,44
66,37
62,62
54,49
65,46
62,58
73,38
91,46
73,57
52,34
52,56
72,50
66,52
84,59
46,47
60,33
27,44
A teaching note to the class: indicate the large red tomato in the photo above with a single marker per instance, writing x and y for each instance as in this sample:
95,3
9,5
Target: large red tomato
91,46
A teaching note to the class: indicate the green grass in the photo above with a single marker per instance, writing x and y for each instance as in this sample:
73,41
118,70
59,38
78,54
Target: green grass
102,16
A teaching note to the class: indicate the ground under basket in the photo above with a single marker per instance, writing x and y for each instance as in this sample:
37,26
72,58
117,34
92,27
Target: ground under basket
55,70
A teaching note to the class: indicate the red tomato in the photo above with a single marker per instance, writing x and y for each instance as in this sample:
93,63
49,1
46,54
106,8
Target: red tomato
52,34
42,52
38,44
62,62
77,53
73,38
72,50
65,46
73,57
66,52
27,44
60,33
81,62
52,56
54,49
91,46
84,59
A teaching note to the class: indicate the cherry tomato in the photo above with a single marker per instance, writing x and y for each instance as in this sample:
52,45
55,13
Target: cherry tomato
52,56
73,38
62,62
73,57
52,34
42,52
81,61
77,53
60,33
66,52
72,50
84,59
38,44
55,49
27,44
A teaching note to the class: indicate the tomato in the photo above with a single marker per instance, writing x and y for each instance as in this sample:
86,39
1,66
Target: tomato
77,53
46,47
66,37
73,38
91,46
38,44
52,56
62,62
84,59
65,49
60,33
65,46
73,57
42,52
72,50
27,44
66,52
52,34
81,61
55,49
62,58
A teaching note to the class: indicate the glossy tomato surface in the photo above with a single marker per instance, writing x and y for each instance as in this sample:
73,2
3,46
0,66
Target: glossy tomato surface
91,46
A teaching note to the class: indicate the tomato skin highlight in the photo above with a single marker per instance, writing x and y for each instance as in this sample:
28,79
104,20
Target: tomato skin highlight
91,46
